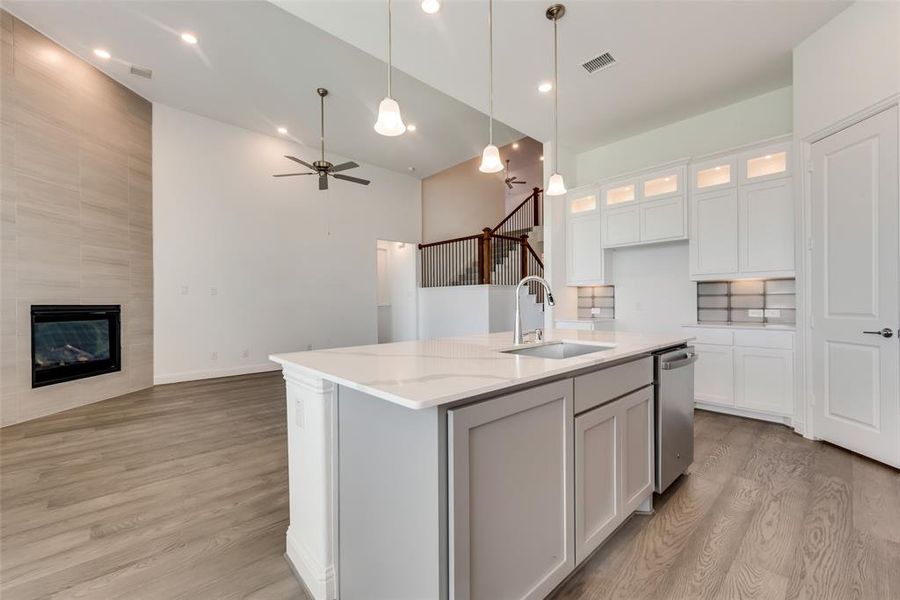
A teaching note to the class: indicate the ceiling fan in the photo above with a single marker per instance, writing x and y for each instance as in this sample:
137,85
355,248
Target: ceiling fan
509,181
323,168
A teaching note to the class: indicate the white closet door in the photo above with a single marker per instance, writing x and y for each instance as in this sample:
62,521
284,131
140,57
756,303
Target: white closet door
854,278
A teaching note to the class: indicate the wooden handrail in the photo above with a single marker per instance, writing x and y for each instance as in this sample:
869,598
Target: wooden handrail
534,254
459,239
534,194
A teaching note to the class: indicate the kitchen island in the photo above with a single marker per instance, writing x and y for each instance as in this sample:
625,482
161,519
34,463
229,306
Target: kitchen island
455,468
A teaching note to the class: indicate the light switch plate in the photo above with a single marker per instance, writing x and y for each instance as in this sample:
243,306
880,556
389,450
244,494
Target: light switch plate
773,312
755,312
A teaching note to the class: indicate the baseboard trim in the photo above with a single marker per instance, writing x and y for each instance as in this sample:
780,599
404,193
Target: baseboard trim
318,581
742,412
214,373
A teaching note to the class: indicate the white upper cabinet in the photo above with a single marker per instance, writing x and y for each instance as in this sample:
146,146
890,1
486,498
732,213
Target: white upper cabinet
583,201
645,208
742,214
718,173
586,261
766,163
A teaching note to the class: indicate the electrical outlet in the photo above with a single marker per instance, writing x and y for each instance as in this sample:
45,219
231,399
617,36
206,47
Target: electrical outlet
755,312
309,346
773,312
595,311
184,290
215,356
245,353
213,291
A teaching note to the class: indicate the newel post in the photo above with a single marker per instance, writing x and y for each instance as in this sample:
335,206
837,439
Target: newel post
536,194
484,257
523,255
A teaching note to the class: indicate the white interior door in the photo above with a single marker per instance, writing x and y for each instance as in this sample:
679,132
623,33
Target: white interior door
854,278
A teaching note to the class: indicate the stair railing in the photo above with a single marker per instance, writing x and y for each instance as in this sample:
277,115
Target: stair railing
486,258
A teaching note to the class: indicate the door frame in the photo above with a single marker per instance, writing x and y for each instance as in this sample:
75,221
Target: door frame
803,422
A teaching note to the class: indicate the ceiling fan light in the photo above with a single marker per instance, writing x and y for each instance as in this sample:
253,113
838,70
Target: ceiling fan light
490,160
431,6
389,122
556,186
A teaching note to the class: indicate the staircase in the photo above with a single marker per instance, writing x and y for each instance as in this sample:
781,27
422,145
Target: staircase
501,255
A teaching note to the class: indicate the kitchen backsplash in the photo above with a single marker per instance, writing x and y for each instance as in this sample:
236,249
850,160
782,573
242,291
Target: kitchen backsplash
597,302
756,301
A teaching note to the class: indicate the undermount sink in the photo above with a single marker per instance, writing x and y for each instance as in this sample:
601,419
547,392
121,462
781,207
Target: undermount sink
557,350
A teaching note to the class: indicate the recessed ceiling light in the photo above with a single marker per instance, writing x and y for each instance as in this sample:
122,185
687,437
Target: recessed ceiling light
411,127
431,6
545,87
102,53
515,145
542,157
282,130
189,38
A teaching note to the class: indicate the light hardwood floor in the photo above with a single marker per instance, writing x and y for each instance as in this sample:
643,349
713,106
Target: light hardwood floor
180,491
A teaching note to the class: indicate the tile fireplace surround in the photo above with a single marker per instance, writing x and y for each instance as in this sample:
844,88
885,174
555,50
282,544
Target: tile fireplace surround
76,214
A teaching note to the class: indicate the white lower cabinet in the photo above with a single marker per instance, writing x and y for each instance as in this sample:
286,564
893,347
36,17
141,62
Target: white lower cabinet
613,467
714,374
511,494
751,370
764,379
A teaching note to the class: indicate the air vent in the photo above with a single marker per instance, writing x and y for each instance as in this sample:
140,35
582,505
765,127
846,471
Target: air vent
599,62
141,72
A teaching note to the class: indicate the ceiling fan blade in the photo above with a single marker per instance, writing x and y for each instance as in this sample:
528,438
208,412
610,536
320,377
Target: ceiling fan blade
353,179
291,174
302,162
344,166
323,182
520,182
508,184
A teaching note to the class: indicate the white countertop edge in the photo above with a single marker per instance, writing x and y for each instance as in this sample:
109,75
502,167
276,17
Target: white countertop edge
581,363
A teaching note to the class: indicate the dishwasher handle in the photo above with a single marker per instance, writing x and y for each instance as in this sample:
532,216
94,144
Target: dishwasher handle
689,358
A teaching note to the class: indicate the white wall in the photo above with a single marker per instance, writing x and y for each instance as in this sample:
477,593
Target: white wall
473,309
401,292
852,62
653,292
244,261
745,122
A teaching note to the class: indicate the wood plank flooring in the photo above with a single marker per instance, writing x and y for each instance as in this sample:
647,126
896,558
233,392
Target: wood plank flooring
180,491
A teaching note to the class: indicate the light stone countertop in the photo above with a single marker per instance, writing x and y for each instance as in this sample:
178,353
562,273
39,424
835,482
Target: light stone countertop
426,373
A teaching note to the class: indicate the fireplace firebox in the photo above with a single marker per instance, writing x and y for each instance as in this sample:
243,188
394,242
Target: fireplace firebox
74,341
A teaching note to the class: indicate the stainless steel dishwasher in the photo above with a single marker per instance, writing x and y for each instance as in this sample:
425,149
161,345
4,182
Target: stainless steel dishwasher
674,379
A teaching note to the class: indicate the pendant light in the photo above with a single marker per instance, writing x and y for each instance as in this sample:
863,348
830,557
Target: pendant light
389,122
490,158
555,185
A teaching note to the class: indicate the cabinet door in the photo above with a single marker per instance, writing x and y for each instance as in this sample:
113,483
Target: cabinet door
637,448
598,494
714,374
714,227
767,227
583,201
662,220
585,259
764,379
511,493
621,226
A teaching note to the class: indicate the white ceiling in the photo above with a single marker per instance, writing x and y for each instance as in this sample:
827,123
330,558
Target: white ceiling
675,58
258,67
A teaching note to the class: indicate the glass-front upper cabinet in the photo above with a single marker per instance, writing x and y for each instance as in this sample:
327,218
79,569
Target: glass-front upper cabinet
714,174
583,201
770,162
663,184
620,193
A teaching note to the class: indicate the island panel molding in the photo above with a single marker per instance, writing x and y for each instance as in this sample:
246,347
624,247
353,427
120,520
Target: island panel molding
312,476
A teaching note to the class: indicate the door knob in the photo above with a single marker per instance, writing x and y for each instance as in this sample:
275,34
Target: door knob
886,332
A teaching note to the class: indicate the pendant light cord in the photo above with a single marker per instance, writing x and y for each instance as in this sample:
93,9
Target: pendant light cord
491,71
390,44
555,99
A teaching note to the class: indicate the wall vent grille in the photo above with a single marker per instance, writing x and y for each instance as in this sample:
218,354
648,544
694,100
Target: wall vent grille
141,72
597,63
